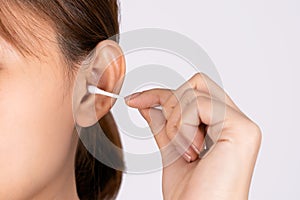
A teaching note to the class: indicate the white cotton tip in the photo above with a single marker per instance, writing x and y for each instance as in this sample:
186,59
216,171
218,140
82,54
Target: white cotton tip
94,90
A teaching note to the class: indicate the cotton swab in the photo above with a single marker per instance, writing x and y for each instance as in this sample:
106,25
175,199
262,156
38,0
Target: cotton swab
94,90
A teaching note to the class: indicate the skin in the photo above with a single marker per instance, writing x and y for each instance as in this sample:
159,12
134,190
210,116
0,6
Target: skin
225,173
37,138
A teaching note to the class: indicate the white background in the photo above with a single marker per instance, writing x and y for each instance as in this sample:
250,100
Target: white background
255,46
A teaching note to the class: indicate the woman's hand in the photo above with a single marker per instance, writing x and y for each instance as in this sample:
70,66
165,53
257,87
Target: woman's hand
197,108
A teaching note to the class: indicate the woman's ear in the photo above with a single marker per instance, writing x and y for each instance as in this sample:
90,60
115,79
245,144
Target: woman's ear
104,68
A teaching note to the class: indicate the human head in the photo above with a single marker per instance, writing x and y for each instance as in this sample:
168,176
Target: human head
43,46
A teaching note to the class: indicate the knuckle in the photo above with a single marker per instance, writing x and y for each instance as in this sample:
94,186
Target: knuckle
200,75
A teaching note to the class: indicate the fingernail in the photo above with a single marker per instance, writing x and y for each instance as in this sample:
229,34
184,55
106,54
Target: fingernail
195,149
132,96
187,157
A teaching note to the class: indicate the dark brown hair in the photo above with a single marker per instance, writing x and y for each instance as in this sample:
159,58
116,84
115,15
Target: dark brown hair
79,25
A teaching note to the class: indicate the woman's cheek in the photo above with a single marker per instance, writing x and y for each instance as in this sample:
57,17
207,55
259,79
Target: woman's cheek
34,127
17,141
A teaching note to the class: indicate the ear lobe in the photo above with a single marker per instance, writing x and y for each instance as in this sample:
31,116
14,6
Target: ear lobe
105,69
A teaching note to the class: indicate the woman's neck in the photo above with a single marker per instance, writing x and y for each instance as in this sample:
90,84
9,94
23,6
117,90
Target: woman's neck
63,184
